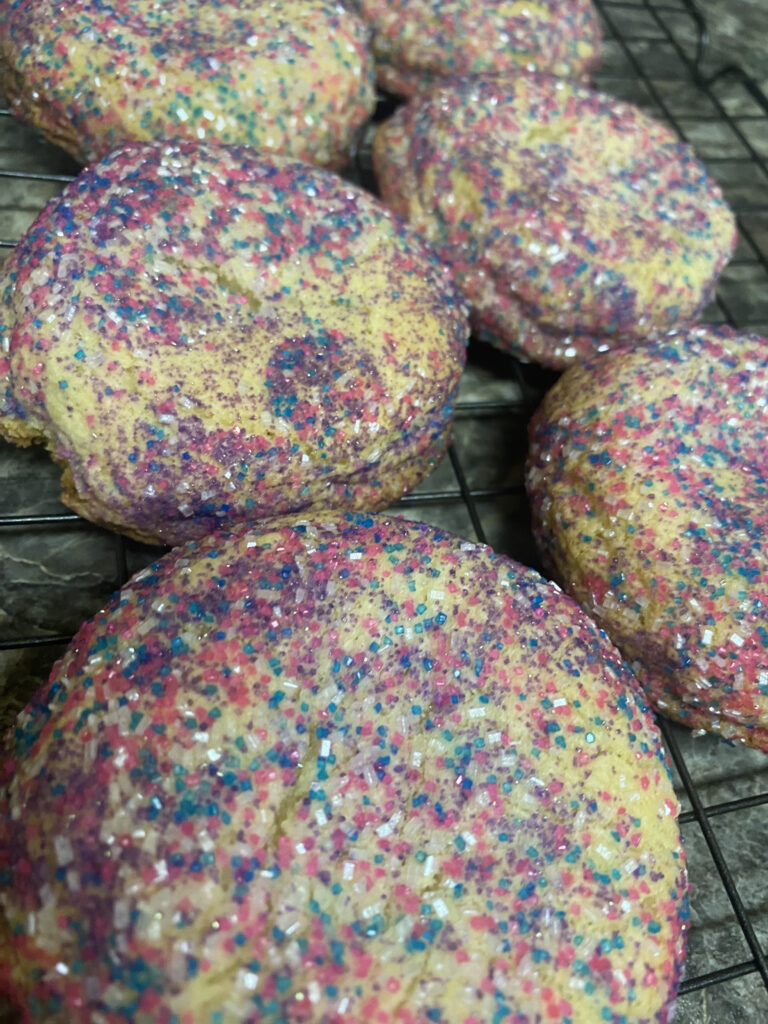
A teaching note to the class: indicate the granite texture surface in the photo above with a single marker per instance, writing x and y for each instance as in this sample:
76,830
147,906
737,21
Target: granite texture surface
738,32
55,573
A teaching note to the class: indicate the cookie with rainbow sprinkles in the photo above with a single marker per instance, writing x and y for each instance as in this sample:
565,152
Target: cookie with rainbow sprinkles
572,221
199,335
417,43
647,480
343,771
288,76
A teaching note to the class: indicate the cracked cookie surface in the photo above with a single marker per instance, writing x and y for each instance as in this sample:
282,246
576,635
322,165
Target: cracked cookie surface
344,771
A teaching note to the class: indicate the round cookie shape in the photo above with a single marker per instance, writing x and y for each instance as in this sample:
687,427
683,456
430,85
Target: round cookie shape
417,43
199,335
343,771
648,487
572,221
292,76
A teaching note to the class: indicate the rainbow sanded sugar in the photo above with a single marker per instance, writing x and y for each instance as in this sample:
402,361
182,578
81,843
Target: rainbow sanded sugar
343,771
571,221
286,76
648,487
419,42
201,335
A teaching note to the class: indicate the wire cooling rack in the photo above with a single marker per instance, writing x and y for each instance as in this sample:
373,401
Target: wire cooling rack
56,569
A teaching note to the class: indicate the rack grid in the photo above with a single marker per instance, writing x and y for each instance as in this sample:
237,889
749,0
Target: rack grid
56,569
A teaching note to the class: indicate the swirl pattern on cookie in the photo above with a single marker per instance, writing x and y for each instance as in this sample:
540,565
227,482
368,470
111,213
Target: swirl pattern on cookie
417,43
199,335
572,221
292,76
648,487
356,770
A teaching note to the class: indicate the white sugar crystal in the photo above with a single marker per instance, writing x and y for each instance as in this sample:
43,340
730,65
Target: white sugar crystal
440,907
64,852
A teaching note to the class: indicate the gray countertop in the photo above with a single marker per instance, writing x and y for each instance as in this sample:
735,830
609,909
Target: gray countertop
738,31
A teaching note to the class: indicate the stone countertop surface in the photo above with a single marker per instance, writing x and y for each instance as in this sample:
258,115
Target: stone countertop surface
738,32
56,573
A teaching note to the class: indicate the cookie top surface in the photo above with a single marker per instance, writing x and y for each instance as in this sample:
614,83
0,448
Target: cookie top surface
571,220
293,76
199,335
648,486
419,42
343,771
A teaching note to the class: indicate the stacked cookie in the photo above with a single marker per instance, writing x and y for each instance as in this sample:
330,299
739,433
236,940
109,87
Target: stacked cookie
647,482
571,222
585,236
317,764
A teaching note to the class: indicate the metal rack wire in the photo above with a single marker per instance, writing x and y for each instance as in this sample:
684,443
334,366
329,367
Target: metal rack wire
655,54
